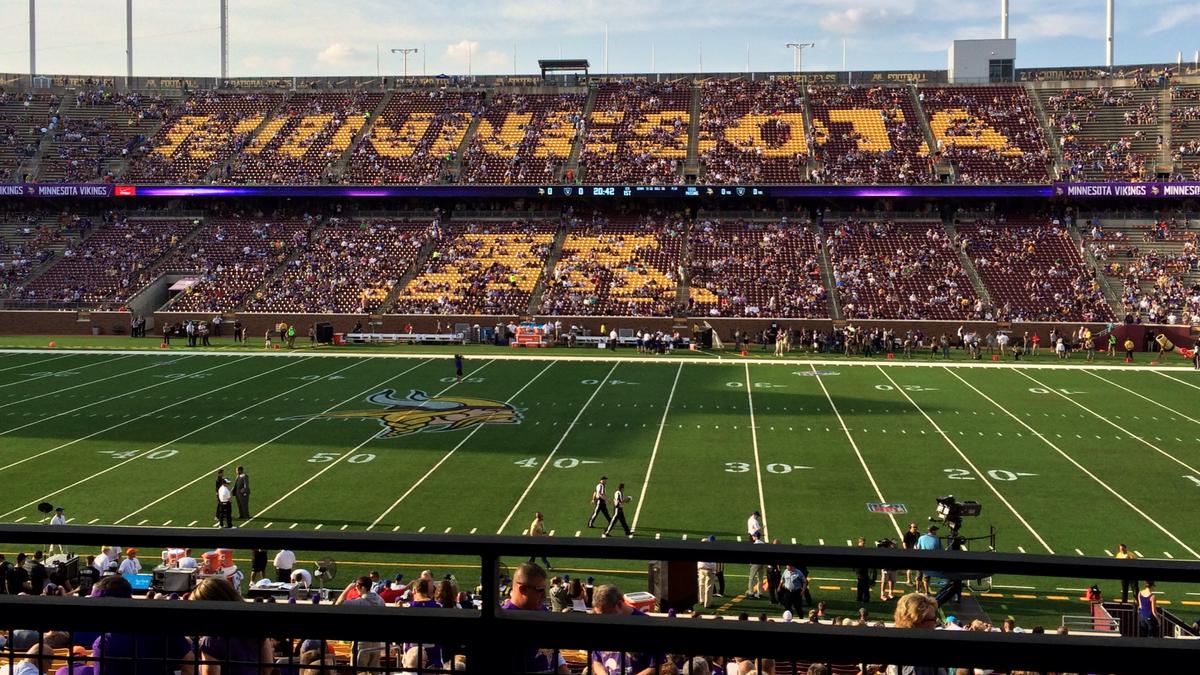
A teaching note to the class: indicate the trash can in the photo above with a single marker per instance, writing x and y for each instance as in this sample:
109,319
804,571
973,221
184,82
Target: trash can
95,330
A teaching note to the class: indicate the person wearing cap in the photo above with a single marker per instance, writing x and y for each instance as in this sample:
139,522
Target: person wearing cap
224,505
57,519
927,542
754,524
600,502
131,564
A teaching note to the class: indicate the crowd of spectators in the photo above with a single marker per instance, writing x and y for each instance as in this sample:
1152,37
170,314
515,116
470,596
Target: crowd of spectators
617,266
415,138
637,132
752,131
523,138
1032,271
480,268
1157,268
868,135
24,119
1086,121
989,134
303,140
886,269
1185,131
351,267
755,269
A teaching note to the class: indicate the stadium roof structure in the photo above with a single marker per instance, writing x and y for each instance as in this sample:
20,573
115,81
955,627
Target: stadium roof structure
563,66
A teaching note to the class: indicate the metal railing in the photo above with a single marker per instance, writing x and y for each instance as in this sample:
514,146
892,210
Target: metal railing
498,638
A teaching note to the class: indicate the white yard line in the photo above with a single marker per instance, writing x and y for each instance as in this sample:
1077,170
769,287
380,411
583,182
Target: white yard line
351,453
762,502
1109,422
1146,398
27,399
1159,372
51,374
448,455
546,462
662,423
1079,466
550,355
863,462
34,363
118,424
980,474
159,447
209,474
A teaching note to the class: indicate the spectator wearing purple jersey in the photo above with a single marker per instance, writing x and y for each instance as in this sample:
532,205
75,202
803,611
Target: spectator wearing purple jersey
221,655
528,593
423,596
608,600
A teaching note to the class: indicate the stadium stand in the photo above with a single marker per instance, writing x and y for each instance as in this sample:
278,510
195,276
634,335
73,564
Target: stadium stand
868,135
902,270
24,119
350,267
29,240
613,266
232,257
205,131
1105,133
97,132
480,268
304,138
415,137
637,132
523,138
108,266
752,132
1033,271
990,134
1157,265
1185,132
755,269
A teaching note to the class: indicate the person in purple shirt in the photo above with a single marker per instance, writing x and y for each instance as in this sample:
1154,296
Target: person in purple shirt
528,593
244,655
423,597
608,600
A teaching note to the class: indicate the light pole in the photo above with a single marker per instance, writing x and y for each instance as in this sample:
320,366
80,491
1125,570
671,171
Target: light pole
406,51
799,47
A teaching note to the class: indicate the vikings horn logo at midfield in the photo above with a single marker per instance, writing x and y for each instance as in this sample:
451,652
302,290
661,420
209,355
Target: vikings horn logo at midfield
417,412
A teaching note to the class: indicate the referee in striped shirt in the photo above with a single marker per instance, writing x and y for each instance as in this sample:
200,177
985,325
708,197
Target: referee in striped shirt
600,502
619,502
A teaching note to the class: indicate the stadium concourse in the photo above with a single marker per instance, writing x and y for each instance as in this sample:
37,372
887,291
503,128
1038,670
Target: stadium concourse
828,305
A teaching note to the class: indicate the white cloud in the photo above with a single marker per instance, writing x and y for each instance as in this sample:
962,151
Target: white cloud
338,54
857,19
462,50
1173,19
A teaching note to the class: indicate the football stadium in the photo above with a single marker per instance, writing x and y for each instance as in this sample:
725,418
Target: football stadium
809,355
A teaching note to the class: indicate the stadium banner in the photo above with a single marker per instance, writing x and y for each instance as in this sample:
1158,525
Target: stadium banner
557,192
1134,190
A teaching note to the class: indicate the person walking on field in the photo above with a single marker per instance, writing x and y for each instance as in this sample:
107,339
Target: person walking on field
538,529
619,502
600,502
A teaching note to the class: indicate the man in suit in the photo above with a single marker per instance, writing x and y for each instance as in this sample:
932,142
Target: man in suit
241,491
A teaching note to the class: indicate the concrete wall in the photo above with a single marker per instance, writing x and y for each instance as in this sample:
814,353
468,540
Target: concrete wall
62,323
968,59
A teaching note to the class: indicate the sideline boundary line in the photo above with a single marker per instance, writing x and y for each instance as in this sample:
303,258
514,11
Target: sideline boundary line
271,440
621,359
762,502
453,450
350,453
1122,429
982,476
546,462
861,460
158,447
662,423
1081,467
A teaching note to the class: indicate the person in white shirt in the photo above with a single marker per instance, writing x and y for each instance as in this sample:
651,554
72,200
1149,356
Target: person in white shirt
106,556
754,524
758,573
285,560
224,505
56,520
302,577
704,577
130,565
38,662
187,562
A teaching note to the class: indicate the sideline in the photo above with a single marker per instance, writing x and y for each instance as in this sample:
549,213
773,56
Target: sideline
731,361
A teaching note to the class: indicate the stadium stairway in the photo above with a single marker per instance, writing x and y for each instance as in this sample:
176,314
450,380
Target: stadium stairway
835,305
417,265
313,235
691,166
343,163
452,172
535,297
1108,286
1165,105
812,165
572,162
1058,165
944,167
10,232
965,261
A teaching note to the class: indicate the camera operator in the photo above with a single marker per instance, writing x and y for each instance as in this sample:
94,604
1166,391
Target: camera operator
952,592
887,578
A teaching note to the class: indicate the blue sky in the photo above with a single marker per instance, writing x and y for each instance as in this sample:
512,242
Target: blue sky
340,37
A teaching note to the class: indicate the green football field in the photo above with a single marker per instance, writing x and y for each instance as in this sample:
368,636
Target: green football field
1070,461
